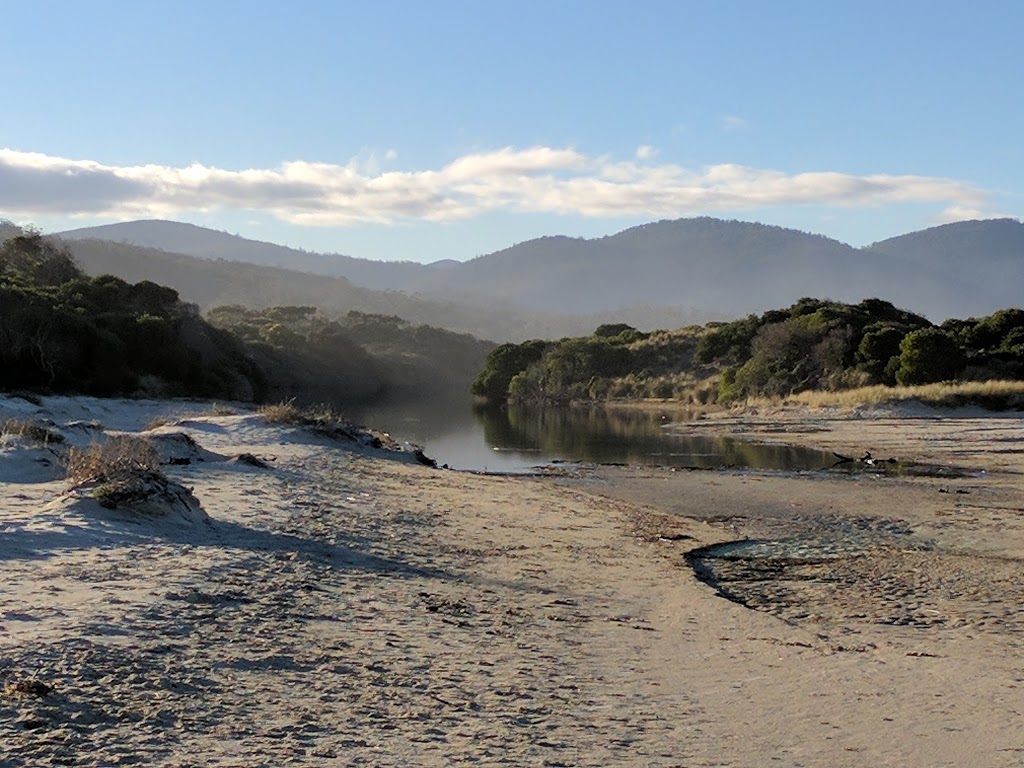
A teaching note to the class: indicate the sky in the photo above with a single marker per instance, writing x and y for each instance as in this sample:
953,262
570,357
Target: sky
430,130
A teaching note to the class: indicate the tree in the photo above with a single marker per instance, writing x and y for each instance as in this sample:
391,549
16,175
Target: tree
783,360
578,361
878,350
503,364
729,342
929,355
989,333
620,332
31,259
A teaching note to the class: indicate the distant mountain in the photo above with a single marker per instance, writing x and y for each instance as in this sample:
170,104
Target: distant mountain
986,259
701,268
992,240
728,267
175,237
211,283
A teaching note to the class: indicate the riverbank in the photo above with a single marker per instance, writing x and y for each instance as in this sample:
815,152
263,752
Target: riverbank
349,606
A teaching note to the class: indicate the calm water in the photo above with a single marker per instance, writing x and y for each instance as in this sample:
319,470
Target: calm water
518,439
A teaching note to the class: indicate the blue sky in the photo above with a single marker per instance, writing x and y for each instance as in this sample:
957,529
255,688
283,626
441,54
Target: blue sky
428,130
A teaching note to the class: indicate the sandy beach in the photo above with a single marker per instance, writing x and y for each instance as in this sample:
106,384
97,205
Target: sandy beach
347,605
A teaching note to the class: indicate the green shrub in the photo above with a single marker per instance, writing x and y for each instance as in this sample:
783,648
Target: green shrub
929,355
878,348
504,364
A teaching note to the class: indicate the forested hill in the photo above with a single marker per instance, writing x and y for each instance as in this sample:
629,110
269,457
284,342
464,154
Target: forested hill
812,345
210,283
728,266
177,237
701,268
963,243
62,330
985,258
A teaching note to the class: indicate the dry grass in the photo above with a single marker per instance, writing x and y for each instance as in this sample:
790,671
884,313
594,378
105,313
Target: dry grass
287,412
995,395
160,421
120,456
31,430
168,420
124,470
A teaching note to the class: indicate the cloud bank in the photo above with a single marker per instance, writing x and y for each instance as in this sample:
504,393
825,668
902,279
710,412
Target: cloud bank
530,180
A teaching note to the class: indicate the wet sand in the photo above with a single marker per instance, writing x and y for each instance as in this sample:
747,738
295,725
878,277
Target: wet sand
351,607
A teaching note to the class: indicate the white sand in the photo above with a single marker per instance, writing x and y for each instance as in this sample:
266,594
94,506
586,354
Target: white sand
355,608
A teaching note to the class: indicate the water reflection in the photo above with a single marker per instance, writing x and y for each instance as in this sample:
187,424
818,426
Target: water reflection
515,439
633,437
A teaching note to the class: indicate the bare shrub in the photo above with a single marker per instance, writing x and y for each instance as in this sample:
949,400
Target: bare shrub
124,471
118,457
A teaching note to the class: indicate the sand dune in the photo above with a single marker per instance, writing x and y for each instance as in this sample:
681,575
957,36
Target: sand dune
348,606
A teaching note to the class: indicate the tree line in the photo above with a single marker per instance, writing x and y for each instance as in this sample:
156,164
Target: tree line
62,331
812,345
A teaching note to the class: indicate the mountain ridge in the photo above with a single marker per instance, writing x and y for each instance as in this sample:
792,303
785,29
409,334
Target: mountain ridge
707,265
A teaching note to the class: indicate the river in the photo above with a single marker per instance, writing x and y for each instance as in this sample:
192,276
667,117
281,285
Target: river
517,439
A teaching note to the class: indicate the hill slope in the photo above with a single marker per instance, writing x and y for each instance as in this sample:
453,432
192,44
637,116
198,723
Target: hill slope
985,258
729,266
211,283
702,267
176,237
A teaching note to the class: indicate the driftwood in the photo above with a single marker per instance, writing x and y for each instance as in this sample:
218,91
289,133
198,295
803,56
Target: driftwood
866,460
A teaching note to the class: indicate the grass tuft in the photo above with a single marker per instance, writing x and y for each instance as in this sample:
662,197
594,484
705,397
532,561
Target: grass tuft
31,430
287,412
160,421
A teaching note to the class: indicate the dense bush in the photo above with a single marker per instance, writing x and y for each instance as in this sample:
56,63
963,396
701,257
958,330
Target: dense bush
728,341
879,350
571,369
503,364
65,332
929,355
813,344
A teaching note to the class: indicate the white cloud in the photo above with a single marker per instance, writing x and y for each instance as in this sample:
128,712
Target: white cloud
967,213
535,179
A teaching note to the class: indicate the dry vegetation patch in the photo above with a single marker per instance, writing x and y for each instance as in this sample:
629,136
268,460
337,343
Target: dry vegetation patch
30,430
996,395
169,420
123,471
119,456
325,421
287,412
